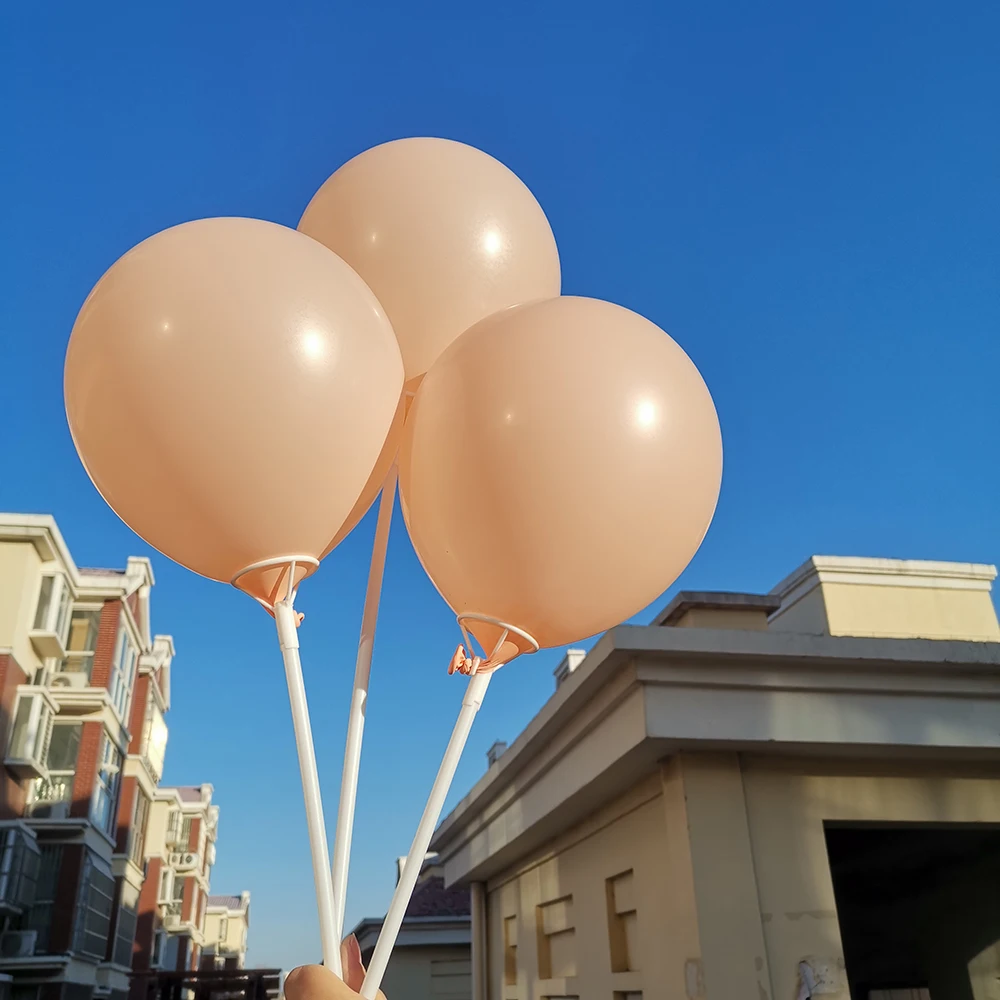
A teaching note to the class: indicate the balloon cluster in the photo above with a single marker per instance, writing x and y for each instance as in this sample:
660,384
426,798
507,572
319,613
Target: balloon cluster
238,392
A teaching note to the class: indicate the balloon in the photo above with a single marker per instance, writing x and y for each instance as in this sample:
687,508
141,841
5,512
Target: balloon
559,468
374,485
229,386
444,235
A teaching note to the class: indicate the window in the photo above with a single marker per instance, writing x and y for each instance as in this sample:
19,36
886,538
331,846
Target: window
40,915
223,928
18,868
185,841
93,914
105,801
128,906
173,908
173,827
620,895
84,627
31,733
156,959
154,739
52,610
166,886
122,670
137,831
47,794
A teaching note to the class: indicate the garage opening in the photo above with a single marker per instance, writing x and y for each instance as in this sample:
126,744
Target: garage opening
919,909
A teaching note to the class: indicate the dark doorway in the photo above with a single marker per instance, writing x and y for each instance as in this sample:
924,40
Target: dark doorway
919,909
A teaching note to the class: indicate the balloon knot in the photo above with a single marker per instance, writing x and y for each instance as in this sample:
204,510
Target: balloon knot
462,663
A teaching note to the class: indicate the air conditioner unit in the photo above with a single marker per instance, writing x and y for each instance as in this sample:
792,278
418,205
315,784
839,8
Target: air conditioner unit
75,679
184,860
18,944
50,810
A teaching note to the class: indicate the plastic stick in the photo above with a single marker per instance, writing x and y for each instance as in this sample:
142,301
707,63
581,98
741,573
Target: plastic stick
288,640
428,821
359,700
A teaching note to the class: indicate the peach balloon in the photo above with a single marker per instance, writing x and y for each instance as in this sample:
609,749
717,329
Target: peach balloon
444,235
229,386
560,467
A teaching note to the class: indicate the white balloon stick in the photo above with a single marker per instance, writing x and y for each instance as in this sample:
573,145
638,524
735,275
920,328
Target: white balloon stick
474,693
359,700
286,620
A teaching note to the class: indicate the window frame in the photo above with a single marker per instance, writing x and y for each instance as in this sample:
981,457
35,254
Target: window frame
107,783
83,655
121,683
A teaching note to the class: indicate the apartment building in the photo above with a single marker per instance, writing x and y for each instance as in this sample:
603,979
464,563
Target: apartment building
227,926
84,686
180,852
784,795
102,870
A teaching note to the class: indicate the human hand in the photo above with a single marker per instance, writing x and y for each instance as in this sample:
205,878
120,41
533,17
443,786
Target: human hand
314,982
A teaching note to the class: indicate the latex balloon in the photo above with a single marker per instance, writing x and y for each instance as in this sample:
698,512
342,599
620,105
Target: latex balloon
444,234
559,468
229,386
374,485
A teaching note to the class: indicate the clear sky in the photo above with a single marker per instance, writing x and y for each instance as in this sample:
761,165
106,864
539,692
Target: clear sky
805,195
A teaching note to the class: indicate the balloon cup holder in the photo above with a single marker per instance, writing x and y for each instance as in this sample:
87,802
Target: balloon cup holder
505,641
273,580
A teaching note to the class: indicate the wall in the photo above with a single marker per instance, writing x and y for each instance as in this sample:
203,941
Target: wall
431,973
555,906
20,576
910,612
787,803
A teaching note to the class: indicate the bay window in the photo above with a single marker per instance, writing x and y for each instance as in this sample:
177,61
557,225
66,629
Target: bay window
48,632
123,670
104,803
49,796
137,831
93,913
84,627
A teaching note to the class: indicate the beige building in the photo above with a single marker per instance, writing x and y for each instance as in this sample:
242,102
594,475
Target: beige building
431,958
787,795
227,926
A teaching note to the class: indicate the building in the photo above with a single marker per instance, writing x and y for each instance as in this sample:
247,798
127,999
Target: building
101,869
180,852
227,926
431,958
758,796
80,674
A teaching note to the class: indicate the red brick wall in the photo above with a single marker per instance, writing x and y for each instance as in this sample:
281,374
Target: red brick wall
86,768
190,898
148,920
12,791
66,892
105,650
192,844
140,698
126,803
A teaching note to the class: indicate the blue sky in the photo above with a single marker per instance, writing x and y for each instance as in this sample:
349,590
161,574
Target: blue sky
804,195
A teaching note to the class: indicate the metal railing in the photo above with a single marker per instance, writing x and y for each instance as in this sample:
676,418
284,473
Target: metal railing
208,984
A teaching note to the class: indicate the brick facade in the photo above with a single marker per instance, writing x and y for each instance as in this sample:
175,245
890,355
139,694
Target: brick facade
86,769
105,649
12,791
